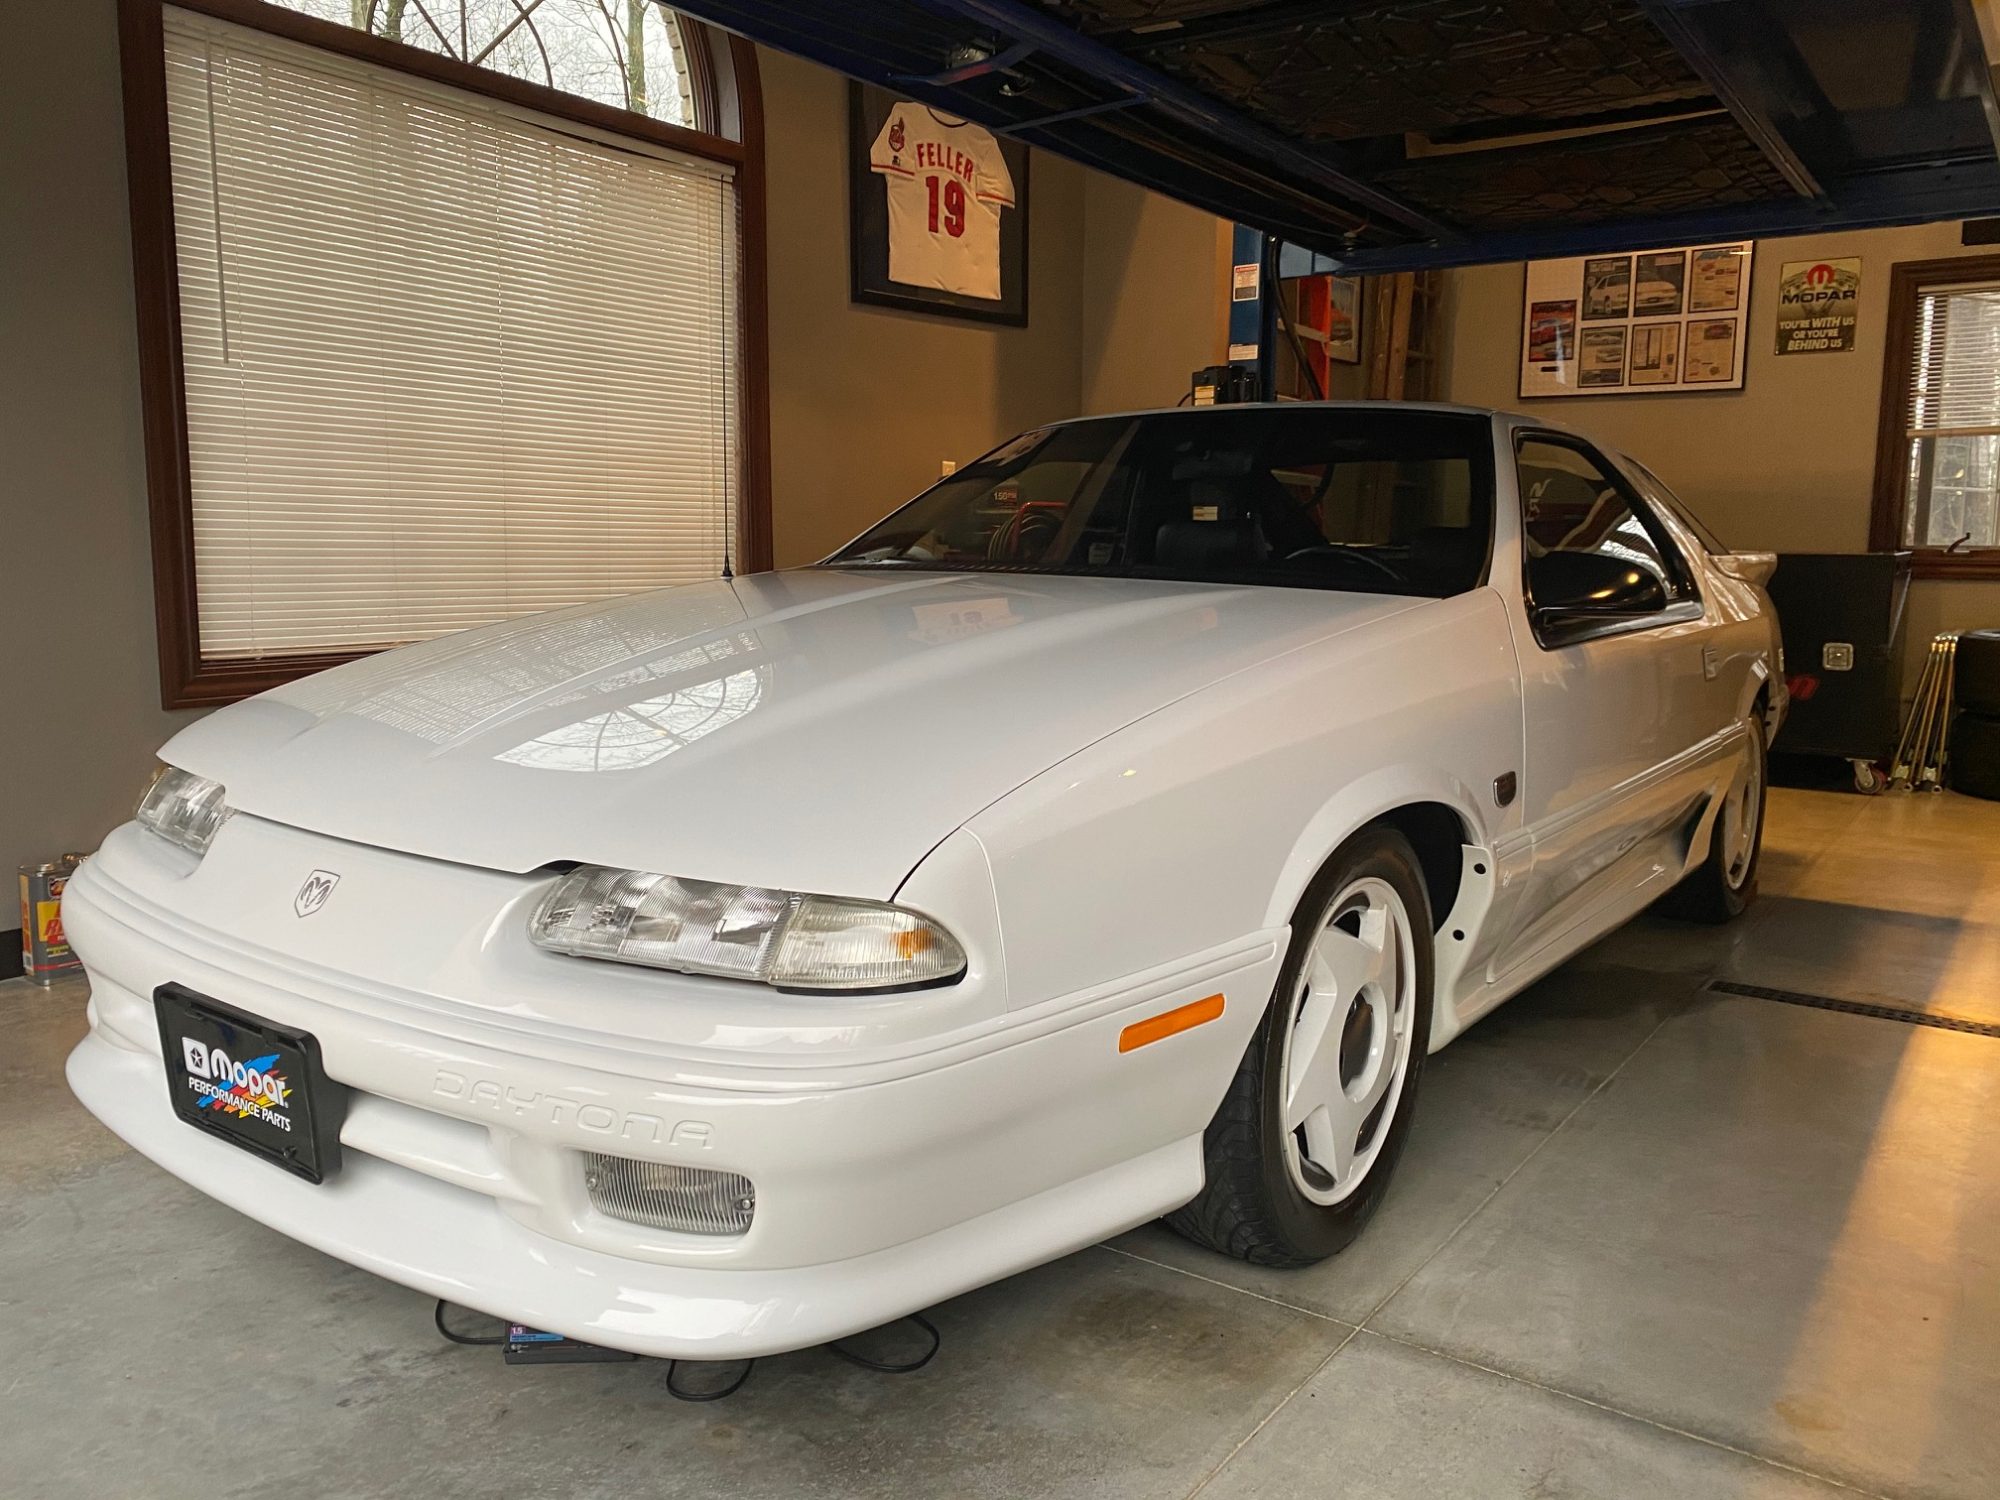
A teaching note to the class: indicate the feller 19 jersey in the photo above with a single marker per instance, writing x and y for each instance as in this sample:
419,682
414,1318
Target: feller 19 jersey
947,184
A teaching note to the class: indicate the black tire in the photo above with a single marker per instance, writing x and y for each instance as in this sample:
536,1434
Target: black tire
1710,894
1975,673
1249,1207
1975,755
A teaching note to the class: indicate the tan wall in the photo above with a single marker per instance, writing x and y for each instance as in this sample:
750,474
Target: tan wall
867,402
1155,308
79,681
1788,462
1126,301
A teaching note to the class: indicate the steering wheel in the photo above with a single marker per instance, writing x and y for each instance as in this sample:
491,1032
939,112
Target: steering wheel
1344,554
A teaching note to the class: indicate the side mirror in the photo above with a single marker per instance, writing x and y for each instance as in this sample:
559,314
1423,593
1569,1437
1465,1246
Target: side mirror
1575,590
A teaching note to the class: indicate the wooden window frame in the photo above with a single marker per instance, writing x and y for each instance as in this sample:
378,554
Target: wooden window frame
728,103
1885,525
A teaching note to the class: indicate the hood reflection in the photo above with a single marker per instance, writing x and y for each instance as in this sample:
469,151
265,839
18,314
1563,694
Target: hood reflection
449,690
638,734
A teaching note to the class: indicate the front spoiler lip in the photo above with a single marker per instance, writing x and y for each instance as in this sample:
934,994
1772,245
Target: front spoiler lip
447,1242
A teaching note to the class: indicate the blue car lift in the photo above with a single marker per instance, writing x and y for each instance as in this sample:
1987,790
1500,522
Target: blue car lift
1391,135
1792,116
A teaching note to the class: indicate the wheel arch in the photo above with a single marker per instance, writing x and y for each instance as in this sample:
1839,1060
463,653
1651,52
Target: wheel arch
1762,696
1438,834
1433,810
1764,709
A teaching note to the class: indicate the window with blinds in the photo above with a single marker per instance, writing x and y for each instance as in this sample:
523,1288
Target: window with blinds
1953,422
446,361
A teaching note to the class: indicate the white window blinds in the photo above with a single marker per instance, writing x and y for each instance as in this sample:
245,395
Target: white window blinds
446,361
1955,383
1953,422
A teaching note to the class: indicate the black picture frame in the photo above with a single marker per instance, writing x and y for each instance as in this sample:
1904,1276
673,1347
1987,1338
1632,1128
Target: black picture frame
868,227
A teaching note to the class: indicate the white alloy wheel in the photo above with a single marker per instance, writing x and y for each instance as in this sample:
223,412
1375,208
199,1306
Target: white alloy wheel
1304,1142
1347,1048
1741,819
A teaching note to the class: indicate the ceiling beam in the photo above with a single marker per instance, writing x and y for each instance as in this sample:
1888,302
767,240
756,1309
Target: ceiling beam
1018,22
1912,195
1693,44
1246,24
1972,37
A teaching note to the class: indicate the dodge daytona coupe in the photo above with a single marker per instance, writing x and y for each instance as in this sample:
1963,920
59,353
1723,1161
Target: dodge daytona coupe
1109,833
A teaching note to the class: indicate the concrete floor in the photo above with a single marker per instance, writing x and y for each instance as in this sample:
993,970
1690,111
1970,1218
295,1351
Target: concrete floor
1647,1241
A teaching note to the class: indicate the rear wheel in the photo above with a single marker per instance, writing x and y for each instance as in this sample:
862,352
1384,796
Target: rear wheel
1300,1151
1726,883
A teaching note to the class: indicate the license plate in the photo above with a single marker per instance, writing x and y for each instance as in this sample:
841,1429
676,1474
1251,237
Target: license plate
255,1085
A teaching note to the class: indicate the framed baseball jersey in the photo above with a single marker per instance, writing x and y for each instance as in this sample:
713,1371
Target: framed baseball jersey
939,211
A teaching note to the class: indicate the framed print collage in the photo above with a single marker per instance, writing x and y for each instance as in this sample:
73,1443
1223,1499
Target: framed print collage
1636,324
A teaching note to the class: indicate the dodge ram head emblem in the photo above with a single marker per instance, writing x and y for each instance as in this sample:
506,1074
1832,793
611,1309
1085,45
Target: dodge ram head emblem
312,895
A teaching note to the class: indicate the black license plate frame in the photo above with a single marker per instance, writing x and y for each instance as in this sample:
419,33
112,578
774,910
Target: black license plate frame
217,1054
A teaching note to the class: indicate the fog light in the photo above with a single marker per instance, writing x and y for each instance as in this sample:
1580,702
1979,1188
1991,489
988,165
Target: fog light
687,1200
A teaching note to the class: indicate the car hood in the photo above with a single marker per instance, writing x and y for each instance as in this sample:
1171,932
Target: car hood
819,730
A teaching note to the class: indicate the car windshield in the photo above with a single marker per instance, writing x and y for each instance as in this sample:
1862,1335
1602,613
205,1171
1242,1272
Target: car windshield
1371,499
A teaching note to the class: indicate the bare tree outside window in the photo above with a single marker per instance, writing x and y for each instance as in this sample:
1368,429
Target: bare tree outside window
624,53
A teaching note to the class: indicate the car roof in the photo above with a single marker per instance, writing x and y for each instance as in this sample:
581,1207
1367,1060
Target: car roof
1490,413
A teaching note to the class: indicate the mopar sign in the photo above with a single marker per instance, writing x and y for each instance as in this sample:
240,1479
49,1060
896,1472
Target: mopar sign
1816,305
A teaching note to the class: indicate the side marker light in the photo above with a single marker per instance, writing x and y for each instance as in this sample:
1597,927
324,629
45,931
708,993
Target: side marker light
1169,1023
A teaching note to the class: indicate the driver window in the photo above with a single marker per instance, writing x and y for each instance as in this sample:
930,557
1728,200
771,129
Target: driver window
1570,503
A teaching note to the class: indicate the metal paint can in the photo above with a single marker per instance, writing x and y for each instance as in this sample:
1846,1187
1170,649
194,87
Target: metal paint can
45,954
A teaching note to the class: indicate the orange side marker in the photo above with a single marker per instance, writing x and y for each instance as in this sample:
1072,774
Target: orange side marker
1167,1023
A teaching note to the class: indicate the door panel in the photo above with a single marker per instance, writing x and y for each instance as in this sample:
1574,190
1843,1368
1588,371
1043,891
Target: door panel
1615,766
1617,723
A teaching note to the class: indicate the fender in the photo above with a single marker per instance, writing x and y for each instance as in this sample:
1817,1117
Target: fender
1204,821
1353,808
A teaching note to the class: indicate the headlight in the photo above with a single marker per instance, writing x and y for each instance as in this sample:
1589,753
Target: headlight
184,809
741,932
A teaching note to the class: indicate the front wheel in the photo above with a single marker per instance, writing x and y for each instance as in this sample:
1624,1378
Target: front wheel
1302,1147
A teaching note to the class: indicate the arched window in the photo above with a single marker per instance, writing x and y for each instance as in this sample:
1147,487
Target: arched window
448,315
630,54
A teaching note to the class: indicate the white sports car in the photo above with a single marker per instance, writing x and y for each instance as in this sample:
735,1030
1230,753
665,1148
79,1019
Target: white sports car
1109,833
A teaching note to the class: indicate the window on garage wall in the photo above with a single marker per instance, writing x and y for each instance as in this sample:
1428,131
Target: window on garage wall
630,54
451,319
1937,485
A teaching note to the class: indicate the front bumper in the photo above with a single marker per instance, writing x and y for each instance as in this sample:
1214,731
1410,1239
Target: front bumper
881,1188
447,1242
